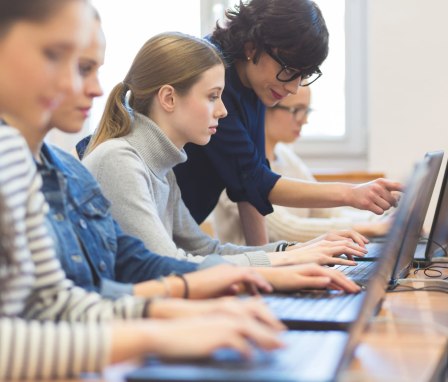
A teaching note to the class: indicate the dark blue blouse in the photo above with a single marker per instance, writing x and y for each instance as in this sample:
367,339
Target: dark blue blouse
234,159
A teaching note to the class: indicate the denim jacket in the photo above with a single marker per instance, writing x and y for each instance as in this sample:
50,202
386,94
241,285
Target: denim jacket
95,253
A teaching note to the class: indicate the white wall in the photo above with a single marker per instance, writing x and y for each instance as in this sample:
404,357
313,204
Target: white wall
407,83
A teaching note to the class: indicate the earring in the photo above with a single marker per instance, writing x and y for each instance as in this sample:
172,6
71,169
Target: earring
248,58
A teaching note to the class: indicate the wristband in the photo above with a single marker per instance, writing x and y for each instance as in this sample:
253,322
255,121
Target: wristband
282,246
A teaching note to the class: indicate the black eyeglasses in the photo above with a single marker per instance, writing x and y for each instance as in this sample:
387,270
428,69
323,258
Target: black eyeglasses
287,74
294,110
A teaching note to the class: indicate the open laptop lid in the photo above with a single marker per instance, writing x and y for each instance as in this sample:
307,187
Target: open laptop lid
438,236
418,214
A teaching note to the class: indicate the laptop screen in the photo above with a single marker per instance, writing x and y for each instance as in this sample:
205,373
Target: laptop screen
418,214
438,236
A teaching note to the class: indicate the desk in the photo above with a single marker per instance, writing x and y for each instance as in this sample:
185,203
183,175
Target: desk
406,342
349,177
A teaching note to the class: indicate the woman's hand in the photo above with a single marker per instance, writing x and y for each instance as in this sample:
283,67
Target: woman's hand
218,281
345,234
253,308
190,338
310,276
377,196
224,280
200,337
321,252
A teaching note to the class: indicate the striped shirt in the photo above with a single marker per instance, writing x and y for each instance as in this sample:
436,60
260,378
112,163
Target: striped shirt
48,327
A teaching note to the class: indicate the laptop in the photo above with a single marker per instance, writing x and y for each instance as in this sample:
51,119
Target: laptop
361,272
376,242
436,246
308,355
334,310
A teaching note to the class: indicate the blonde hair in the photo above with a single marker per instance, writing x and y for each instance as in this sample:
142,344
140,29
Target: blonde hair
170,58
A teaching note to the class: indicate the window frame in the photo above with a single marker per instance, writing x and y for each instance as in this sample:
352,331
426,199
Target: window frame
354,142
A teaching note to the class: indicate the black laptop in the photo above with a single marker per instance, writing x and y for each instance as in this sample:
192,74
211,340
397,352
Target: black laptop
436,246
308,355
335,310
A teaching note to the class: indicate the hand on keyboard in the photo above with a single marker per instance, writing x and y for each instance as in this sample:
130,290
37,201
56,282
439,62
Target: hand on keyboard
311,276
339,235
323,252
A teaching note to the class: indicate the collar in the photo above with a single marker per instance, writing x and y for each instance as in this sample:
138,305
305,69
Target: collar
49,160
56,159
157,151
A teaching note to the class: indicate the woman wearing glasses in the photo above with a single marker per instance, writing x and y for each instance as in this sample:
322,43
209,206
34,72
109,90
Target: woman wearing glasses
272,47
283,125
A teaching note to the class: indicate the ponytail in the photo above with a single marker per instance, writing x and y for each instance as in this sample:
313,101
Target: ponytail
116,119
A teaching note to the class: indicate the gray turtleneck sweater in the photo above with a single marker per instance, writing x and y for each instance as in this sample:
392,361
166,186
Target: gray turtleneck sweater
135,173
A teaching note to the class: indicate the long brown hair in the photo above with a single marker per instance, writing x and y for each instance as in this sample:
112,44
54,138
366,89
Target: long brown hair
169,58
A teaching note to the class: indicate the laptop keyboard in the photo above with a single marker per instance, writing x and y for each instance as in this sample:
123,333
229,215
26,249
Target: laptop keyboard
298,345
318,306
374,250
360,273
307,356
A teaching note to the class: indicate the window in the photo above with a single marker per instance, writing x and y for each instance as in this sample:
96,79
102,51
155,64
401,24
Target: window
338,127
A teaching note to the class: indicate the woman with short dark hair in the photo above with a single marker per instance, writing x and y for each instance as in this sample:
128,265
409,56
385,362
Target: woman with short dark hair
272,47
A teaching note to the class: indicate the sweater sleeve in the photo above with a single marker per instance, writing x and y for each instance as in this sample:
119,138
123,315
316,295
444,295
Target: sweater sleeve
134,207
188,235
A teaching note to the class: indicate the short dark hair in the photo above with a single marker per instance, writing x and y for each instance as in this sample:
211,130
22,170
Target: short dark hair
295,27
